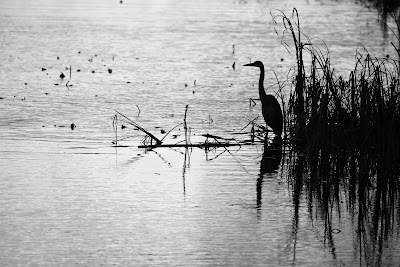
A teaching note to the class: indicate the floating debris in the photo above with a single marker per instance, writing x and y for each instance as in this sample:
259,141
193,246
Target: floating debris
62,76
233,65
44,69
73,126
151,142
137,126
109,70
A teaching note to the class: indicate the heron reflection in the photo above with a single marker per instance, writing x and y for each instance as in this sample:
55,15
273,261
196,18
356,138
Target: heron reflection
270,162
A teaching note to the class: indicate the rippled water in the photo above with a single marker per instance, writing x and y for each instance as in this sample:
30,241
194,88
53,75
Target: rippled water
69,197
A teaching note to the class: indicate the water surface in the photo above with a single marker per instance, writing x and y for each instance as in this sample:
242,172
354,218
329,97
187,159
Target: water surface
69,197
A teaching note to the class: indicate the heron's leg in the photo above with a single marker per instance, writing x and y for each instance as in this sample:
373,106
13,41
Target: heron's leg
266,137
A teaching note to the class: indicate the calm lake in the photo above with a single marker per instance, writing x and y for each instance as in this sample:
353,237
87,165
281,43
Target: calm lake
69,197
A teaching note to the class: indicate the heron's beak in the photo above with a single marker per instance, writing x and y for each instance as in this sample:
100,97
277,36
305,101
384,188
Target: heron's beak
250,64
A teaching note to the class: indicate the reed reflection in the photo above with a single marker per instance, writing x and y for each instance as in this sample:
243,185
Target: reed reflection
366,196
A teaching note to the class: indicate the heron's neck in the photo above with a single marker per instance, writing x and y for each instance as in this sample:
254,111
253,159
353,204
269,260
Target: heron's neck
261,83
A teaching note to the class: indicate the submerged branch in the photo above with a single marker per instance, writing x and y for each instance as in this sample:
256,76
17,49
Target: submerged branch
159,142
199,145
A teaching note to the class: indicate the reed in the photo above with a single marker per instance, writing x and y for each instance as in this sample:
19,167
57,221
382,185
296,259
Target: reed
335,117
348,129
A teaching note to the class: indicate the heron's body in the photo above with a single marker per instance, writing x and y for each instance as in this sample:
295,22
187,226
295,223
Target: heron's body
271,109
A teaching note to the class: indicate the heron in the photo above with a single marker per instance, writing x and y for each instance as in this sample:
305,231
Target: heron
271,109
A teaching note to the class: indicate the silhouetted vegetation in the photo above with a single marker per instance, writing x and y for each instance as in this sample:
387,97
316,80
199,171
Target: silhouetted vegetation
344,133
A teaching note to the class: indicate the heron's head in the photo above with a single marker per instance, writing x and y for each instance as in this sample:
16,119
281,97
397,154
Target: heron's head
257,63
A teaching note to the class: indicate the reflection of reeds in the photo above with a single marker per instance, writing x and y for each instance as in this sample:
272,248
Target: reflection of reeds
386,8
349,131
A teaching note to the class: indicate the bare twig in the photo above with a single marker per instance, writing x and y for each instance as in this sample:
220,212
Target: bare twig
158,142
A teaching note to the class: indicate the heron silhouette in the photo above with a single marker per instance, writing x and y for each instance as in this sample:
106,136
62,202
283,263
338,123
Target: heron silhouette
271,109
